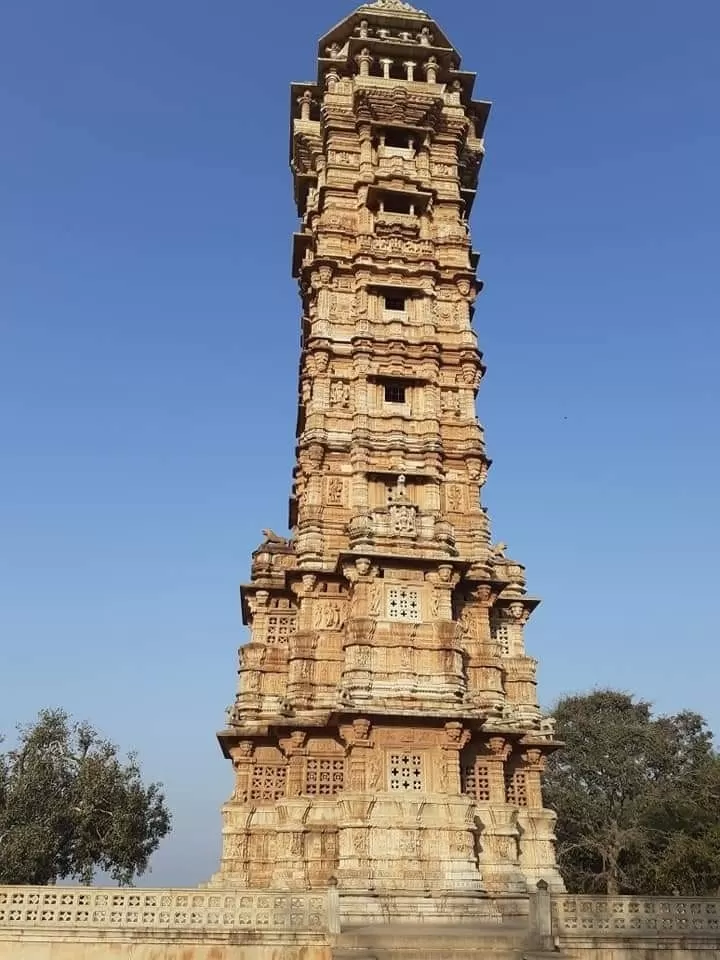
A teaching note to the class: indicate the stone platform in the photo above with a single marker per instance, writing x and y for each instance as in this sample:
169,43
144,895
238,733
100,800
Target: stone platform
432,942
80,923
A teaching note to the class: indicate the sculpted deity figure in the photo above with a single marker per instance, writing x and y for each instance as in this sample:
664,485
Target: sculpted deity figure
466,623
402,518
328,616
336,490
340,393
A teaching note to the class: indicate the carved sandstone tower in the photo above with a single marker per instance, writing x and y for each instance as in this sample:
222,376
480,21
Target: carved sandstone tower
386,736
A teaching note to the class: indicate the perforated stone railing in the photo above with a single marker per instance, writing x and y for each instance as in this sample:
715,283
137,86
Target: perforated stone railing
596,916
161,909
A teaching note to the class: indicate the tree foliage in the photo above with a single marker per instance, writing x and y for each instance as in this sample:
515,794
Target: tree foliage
70,807
637,798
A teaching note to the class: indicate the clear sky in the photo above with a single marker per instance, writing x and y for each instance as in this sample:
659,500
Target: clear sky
149,349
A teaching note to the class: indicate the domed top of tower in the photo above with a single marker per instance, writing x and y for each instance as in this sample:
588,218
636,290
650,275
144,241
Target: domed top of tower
392,5
397,30
389,17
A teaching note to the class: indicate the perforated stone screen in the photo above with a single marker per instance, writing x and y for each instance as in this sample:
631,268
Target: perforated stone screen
516,788
403,603
324,778
500,634
280,628
268,781
476,781
406,771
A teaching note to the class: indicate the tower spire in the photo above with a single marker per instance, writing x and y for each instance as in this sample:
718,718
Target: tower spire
398,5
386,732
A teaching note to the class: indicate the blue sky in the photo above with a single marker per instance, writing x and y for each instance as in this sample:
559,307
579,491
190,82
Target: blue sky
149,341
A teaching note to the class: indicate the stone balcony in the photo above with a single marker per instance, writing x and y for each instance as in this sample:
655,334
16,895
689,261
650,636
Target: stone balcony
397,225
395,162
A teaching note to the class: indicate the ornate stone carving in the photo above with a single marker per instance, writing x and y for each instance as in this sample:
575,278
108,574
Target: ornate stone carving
387,604
376,600
534,759
309,582
361,729
335,491
455,498
398,5
450,402
467,625
363,656
273,539
112,912
321,362
402,518
340,393
328,615
499,748
547,727
363,566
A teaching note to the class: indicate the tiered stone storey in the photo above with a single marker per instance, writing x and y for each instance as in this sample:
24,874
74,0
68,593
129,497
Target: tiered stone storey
386,735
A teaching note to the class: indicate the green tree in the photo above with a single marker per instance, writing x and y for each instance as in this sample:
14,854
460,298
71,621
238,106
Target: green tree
637,798
69,807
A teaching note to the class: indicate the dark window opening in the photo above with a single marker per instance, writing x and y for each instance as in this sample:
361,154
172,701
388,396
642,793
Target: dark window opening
394,301
398,71
395,137
394,392
396,203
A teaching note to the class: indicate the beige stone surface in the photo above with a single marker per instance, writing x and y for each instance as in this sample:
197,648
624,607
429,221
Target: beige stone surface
386,734
66,948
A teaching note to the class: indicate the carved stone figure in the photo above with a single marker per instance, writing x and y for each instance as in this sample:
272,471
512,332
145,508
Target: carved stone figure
402,518
374,774
364,656
467,624
328,616
516,610
360,303
547,726
322,361
454,497
336,489
450,401
274,538
376,596
340,393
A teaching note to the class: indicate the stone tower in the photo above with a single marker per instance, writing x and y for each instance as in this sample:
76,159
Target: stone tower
386,737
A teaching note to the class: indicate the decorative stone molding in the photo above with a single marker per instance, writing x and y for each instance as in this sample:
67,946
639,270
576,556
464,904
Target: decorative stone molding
638,917
103,911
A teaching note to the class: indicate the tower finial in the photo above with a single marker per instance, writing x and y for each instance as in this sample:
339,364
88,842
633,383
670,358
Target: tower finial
392,5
